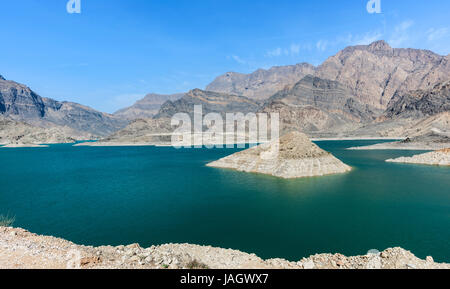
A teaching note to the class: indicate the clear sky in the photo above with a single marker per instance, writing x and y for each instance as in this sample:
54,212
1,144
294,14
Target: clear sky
116,51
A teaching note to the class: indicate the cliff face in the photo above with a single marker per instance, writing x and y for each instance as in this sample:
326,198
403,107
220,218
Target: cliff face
20,103
147,107
317,105
375,72
420,103
294,156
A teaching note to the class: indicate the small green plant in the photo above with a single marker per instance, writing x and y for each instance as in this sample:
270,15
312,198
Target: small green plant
6,221
196,265
165,266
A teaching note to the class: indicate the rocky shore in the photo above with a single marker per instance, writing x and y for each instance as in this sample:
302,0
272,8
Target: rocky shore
293,156
437,158
20,249
428,142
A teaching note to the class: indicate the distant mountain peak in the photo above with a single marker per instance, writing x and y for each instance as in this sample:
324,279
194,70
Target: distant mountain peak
1,77
379,45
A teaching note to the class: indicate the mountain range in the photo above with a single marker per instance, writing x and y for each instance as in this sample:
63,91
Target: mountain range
18,102
365,90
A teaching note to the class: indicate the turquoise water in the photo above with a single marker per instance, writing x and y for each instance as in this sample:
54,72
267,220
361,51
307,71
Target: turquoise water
148,195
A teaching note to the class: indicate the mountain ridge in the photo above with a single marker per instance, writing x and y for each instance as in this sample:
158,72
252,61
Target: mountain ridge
21,103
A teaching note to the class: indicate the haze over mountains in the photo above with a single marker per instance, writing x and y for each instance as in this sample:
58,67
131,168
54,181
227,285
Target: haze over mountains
147,107
366,90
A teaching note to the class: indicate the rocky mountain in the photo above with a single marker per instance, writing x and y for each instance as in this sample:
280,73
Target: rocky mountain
362,91
260,84
377,71
20,103
146,107
211,102
317,105
420,103
373,73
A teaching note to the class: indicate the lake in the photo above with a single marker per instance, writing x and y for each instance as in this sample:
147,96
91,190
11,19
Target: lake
156,195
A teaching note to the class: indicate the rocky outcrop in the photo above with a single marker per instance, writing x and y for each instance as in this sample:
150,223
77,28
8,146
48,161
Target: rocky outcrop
436,158
20,249
377,71
147,107
211,102
260,84
315,105
292,156
420,103
20,103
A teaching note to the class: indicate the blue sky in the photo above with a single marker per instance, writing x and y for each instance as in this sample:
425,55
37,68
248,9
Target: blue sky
116,51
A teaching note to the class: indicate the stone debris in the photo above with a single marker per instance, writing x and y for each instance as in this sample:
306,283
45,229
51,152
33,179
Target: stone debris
20,249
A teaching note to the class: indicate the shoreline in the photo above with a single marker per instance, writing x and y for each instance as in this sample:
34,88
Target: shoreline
155,144
402,146
24,250
128,144
24,146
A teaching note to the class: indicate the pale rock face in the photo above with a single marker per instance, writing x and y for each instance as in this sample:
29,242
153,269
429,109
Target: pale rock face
292,156
375,72
437,158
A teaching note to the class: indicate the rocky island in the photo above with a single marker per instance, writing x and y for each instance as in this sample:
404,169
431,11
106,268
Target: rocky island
292,156
436,158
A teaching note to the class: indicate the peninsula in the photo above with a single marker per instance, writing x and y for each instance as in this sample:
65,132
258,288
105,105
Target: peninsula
436,158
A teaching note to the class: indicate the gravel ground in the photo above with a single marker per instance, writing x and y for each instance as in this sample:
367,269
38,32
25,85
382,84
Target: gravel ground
22,249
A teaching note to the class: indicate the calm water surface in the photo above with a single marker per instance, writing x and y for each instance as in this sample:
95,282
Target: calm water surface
147,195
